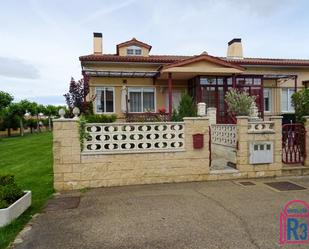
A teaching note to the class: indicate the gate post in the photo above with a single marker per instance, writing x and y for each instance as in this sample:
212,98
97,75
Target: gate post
277,141
306,164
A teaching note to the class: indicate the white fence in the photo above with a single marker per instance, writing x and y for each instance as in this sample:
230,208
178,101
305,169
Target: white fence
113,138
224,134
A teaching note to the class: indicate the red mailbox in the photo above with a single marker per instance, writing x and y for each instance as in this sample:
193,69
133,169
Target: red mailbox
198,141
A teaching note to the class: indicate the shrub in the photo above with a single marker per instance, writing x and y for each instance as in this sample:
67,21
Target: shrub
9,191
187,108
239,103
99,118
300,101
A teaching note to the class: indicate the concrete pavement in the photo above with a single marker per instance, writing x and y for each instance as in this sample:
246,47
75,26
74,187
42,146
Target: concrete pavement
220,214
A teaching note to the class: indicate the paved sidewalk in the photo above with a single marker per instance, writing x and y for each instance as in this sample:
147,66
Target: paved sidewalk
186,215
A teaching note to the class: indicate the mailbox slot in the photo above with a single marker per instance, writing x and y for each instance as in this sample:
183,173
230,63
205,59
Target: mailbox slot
198,141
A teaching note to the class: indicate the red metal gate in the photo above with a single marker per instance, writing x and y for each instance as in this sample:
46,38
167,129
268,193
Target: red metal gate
293,143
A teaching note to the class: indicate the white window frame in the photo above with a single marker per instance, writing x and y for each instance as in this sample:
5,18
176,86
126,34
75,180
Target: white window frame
290,92
141,88
134,49
101,88
269,90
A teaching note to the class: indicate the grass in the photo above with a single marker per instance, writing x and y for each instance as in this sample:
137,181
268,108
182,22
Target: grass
29,158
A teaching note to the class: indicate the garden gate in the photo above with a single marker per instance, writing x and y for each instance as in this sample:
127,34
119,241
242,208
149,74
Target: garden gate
293,143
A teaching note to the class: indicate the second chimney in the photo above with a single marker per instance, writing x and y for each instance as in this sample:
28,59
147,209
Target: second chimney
97,43
234,49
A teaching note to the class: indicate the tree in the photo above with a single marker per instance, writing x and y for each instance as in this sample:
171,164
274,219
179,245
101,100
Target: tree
19,110
8,120
239,103
5,100
76,97
186,108
50,110
300,101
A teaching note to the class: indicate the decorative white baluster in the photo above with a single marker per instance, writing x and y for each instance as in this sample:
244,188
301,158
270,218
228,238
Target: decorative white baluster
115,138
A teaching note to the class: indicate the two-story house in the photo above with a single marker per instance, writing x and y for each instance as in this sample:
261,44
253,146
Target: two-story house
133,81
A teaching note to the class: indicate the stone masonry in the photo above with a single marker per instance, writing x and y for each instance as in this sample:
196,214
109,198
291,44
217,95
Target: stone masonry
243,153
73,170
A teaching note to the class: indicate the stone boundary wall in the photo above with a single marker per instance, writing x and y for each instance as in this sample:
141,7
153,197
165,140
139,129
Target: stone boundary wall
263,132
73,170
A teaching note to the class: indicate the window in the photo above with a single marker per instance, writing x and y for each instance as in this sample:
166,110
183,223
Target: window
267,100
176,97
286,100
142,99
105,99
134,50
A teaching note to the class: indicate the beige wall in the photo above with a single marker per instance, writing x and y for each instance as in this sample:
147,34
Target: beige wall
123,51
160,89
160,85
73,170
244,139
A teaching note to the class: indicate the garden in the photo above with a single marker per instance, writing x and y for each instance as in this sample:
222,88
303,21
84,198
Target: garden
29,159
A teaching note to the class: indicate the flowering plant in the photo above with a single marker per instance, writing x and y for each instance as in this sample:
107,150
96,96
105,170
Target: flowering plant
162,110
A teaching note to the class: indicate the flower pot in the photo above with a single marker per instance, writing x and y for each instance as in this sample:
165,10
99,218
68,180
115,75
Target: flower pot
7,215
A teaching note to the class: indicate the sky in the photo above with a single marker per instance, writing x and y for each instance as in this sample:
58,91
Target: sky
40,41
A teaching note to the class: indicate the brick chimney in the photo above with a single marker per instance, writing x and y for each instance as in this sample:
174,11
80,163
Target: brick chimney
97,43
234,49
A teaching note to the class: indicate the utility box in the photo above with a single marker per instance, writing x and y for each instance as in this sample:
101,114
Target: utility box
261,152
198,141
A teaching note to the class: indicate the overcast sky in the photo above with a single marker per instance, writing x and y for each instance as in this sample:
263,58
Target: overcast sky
40,41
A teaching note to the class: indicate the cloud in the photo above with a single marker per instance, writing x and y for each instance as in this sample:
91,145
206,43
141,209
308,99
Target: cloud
17,68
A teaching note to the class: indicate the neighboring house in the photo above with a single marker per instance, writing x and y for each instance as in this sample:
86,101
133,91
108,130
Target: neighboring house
134,81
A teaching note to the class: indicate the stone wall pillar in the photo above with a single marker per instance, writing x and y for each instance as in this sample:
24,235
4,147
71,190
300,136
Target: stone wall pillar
199,125
201,109
66,152
212,115
307,140
242,152
277,142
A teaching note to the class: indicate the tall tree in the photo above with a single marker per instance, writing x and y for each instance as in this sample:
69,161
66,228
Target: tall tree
76,97
19,110
5,100
50,110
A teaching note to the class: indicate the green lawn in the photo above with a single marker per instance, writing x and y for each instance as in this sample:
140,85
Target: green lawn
29,158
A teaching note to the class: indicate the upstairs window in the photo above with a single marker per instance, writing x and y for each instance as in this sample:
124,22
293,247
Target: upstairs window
134,50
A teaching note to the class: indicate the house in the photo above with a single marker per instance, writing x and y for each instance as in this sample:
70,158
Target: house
134,82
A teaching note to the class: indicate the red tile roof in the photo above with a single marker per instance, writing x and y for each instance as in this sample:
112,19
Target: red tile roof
116,58
204,57
166,59
269,61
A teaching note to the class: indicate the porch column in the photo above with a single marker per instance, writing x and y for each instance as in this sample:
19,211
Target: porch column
170,94
233,81
295,83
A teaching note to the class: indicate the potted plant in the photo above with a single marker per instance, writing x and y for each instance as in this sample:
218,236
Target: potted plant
13,201
240,103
